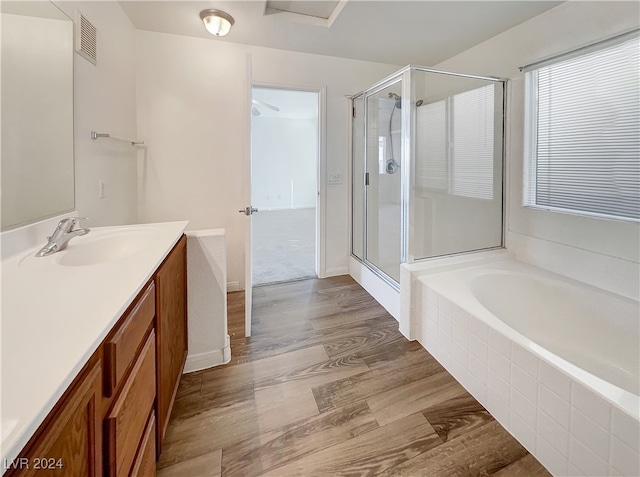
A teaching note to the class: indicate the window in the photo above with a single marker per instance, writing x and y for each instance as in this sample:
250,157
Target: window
472,158
454,144
583,132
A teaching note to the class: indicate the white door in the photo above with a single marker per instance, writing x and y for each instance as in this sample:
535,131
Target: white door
247,209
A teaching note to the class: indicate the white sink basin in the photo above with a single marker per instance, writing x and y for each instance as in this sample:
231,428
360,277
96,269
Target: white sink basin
105,247
97,247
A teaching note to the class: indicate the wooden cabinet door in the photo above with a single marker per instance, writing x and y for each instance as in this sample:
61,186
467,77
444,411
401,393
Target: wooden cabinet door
71,443
171,329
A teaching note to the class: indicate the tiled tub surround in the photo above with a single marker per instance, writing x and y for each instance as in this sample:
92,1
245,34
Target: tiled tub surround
575,422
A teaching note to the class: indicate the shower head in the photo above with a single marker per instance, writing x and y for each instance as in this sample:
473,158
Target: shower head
398,103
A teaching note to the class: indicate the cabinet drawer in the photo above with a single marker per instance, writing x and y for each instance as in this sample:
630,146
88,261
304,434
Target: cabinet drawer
145,463
120,349
127,419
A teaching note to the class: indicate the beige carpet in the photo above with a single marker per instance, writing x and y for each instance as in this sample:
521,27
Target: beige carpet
283,245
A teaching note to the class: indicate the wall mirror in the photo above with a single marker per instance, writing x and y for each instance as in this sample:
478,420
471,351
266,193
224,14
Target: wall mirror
37,163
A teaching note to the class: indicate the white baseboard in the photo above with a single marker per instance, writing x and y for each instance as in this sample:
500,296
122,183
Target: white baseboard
226,352
336,271
198,362
233,286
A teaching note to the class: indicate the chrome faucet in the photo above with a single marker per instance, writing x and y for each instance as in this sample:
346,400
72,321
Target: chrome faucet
64,232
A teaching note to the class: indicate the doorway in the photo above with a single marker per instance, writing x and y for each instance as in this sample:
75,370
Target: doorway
284,184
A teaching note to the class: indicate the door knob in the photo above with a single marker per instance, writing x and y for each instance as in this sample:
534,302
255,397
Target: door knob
248,210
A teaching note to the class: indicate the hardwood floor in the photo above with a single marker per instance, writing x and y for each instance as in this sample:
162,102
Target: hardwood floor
327,386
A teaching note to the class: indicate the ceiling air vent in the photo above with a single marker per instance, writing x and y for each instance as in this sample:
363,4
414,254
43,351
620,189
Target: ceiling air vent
86,38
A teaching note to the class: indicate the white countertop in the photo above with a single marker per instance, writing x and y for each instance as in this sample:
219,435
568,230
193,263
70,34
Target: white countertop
56,311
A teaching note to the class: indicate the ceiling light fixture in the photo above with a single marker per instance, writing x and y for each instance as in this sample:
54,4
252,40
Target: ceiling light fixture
216,22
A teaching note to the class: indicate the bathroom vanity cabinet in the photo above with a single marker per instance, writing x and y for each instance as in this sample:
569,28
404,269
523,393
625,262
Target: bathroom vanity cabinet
113,417
171,325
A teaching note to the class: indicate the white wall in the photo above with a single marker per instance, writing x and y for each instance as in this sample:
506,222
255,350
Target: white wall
105,101
191,112
283,166
601,252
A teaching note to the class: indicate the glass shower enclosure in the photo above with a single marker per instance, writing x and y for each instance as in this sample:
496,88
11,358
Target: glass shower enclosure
427,168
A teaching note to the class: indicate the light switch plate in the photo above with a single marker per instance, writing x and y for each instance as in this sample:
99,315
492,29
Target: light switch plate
335,178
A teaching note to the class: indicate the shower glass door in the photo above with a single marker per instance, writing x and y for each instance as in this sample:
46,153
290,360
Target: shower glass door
357,178
383,179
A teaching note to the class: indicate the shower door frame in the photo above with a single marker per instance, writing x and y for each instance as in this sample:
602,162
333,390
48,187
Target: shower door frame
385,83
407,166
503,159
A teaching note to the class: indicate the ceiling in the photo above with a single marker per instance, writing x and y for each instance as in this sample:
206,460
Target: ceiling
33,9
393,31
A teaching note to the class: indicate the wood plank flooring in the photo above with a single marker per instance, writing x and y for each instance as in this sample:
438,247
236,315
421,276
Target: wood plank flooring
327,386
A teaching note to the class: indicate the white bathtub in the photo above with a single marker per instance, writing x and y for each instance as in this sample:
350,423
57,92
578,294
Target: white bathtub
555,361
591,329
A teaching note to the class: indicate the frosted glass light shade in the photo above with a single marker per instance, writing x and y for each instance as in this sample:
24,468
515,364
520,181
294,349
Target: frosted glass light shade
216,22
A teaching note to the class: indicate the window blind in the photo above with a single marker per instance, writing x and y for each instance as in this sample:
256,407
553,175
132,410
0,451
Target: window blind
454,144
432,170
584,133
472,174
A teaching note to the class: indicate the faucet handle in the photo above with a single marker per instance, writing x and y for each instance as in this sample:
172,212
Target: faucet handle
73,219
67,219
69,223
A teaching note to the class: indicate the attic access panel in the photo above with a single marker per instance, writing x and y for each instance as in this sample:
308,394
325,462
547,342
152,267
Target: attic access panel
312,8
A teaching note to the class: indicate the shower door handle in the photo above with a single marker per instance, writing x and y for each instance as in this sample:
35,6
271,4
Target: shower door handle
366,178
248,210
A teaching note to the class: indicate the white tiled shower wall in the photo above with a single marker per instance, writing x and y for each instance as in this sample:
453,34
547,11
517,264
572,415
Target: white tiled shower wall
567,427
